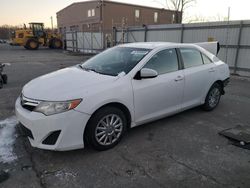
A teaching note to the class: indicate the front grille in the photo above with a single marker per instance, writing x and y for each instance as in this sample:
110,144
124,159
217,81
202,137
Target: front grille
28,104
26,132
27,107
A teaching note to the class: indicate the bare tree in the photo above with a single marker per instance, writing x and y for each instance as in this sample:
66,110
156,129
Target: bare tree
201,18
179,6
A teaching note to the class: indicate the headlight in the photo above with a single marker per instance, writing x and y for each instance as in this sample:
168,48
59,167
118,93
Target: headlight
50,108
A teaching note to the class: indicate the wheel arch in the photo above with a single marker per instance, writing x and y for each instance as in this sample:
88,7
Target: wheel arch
119,106
221,83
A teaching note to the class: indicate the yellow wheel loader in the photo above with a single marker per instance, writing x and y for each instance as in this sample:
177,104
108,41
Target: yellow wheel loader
34,36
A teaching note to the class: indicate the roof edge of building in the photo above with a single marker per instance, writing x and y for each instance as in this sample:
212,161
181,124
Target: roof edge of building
116,2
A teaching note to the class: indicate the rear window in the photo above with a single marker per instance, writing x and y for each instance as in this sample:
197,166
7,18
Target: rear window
191,57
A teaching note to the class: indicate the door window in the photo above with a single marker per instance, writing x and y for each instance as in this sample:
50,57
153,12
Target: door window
164,61
191,57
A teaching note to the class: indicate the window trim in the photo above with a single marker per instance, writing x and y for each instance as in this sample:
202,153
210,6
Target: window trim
180,60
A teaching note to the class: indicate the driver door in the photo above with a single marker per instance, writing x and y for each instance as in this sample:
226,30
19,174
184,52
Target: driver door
161,96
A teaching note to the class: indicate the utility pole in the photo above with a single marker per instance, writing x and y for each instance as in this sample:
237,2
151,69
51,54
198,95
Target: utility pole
102,22
228,21
51,18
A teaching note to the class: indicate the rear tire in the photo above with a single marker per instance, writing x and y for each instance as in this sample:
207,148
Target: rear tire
213,97
106,128
32,44
5,78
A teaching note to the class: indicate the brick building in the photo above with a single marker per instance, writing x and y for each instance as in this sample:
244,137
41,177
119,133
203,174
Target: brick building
98,16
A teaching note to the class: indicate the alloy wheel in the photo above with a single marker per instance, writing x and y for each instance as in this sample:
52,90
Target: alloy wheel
109,130
214,97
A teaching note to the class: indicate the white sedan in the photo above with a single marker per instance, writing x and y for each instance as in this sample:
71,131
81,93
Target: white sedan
123,87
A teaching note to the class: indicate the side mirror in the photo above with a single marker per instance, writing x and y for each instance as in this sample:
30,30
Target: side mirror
146,73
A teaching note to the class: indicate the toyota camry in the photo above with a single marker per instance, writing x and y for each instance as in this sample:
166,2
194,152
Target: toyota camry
96,102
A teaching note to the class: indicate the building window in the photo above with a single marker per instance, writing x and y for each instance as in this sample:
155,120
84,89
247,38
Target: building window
93,12
137,14
156,17
89,13
173,18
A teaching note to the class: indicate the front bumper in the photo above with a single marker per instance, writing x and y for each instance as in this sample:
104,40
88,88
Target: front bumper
71,126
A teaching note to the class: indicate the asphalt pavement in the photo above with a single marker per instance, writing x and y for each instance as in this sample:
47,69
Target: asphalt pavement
184,150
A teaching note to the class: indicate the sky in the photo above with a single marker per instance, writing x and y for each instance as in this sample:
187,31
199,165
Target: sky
18,12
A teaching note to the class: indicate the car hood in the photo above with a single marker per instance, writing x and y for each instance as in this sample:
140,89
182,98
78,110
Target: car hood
65,84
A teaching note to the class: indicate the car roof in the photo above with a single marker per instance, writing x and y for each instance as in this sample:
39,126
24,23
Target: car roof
154,45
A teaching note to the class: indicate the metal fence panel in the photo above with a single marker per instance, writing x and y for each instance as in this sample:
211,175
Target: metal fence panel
201,35
97,41
87,40
166,36
244,59
90,42
120,37
136,36
245,40
230,56
80,42
69,41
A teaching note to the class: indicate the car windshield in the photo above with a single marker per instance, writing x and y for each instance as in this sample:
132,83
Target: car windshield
115,60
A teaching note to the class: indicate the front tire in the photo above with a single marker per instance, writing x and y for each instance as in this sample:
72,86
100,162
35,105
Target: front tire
213,97
106,128
32,44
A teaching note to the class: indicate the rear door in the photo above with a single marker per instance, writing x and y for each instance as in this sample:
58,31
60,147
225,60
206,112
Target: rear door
160,96
199,73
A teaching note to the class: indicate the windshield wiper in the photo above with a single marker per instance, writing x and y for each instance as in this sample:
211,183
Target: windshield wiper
88,69
93,70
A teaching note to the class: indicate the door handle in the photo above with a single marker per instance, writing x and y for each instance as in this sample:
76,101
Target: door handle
179,78
212,70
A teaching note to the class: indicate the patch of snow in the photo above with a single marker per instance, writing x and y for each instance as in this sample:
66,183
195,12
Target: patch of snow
7,139
62,175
